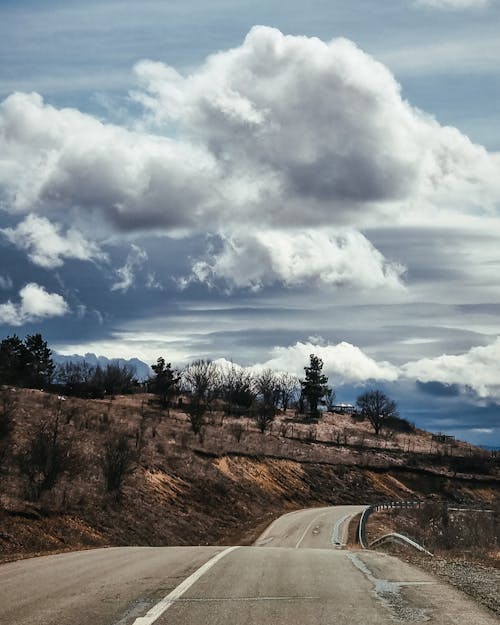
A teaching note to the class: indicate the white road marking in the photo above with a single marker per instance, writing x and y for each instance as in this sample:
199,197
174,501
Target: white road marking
237,599
162,606
309,527
336,530
264,541
271,527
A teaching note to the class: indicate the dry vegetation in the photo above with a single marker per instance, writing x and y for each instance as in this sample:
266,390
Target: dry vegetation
79,473
464,541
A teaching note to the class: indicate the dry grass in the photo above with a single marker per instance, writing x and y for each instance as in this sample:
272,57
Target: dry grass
191,489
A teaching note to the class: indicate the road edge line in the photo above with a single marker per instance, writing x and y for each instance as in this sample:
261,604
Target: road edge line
162,606
335,539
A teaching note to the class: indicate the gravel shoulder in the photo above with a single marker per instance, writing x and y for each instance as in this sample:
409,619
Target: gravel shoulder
480,582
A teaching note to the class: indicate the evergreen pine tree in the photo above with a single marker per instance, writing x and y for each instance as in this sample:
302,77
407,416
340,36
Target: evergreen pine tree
315,384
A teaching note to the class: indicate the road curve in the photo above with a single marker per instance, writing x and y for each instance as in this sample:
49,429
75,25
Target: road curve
295,575
316,528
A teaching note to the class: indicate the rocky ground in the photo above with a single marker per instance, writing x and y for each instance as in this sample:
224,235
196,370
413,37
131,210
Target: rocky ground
474,569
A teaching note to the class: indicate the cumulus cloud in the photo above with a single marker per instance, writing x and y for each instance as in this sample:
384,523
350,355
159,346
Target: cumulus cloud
64,159
35,304
476,370
309,257
322,123
452,4
126,275
345,363
279,130
45,244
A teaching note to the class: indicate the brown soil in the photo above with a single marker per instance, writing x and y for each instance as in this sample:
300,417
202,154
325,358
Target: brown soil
216,488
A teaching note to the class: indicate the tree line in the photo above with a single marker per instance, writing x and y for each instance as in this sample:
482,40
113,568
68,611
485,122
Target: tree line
28,363
237,392
200,387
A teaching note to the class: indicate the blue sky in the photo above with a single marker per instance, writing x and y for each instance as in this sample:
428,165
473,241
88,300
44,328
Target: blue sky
328,181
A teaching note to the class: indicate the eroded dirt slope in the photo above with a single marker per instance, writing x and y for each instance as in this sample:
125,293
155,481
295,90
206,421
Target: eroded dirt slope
222,486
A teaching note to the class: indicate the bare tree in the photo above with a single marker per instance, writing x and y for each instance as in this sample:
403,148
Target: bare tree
202,380
268,394
289,389
237,389
375,406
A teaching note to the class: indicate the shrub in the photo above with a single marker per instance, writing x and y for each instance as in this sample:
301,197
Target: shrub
7,409
44,459
117,462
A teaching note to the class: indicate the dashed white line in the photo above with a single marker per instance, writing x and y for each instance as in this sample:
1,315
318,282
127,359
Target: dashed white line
309,527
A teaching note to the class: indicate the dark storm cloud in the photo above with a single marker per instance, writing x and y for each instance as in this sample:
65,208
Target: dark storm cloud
438,390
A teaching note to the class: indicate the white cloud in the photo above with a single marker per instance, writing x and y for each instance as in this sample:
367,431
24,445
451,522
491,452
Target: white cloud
67,160
45,244
280,130
35,304
476,369
344,363
127,274
452,4
309,257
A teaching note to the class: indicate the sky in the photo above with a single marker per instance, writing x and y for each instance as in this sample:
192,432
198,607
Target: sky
245,181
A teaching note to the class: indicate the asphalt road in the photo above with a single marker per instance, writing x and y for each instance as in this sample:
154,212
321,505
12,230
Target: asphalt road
297,574
318,528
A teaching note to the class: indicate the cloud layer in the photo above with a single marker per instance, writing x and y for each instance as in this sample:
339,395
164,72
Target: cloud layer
453,4
35,304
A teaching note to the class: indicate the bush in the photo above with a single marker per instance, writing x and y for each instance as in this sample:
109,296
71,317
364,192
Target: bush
398,424
7,409
117,462
440,526
196,412
83,380
43,461
478,463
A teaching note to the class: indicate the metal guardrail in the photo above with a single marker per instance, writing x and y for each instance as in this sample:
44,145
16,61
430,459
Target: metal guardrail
399,504
381,506
362,526
400,539
391,505
416,503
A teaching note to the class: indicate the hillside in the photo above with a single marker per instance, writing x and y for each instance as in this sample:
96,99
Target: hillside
222,485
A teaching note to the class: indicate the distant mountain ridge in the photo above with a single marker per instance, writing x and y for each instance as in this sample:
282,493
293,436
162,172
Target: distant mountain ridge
142,370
